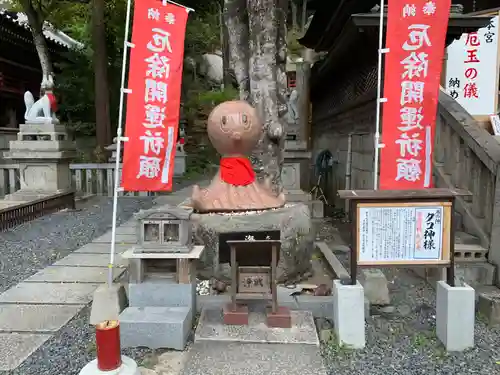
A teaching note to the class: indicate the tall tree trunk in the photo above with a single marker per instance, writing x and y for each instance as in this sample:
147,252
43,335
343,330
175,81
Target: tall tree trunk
257,52
103,121
35,21
264,88
294,15
236,19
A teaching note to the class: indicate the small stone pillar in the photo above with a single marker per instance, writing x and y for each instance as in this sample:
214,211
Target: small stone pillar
349,314
455,316
43,152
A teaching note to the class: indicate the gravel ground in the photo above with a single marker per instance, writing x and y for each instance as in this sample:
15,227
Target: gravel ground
401,338
67,352
33,246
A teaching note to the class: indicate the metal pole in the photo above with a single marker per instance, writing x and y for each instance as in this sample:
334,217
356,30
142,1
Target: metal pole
379,99
119,132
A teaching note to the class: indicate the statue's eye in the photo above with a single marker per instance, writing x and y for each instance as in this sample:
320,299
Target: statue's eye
224,120
244,118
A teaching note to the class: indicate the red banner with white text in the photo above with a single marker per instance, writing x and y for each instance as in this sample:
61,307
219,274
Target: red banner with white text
416,33
154,94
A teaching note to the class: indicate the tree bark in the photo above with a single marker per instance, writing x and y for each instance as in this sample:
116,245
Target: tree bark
257,51
236,19
103,121
264,88
35,21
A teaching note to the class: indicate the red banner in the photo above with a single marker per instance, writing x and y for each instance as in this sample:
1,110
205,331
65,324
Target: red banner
153,102
416,32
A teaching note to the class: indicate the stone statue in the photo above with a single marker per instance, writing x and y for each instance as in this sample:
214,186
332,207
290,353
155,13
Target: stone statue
234,129
43,110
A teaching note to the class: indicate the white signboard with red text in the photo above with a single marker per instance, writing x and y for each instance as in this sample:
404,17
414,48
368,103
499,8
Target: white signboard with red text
472,70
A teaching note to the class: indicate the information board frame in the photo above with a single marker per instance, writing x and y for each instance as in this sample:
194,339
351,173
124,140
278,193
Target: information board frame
445,256
429,197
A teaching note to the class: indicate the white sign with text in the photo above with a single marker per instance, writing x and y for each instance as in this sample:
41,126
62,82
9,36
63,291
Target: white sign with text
472,70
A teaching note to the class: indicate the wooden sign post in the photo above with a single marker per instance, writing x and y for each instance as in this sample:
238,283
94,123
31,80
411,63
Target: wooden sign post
402,228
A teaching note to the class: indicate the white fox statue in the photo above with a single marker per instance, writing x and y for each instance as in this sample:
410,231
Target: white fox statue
43,110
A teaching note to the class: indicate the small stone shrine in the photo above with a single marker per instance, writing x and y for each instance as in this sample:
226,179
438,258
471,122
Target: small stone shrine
162,281
42,149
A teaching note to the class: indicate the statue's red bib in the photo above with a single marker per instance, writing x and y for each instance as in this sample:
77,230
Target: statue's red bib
236,171
52,101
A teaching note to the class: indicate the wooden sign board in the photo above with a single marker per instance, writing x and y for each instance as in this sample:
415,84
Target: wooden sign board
403,233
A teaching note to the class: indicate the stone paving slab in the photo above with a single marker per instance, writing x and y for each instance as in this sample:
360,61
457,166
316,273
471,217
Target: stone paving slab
212,328
215,358
16,347
89,260
129,223
128,230
36,318
101,248
120,238
49,293
56,274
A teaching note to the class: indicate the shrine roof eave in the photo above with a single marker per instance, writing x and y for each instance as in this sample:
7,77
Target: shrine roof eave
457,23
329,19
364,27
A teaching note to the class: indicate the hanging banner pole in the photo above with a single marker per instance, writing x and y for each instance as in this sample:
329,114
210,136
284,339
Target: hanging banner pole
119,139
159,67
379,94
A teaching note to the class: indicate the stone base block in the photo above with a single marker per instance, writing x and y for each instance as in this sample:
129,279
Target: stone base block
108,303
280,319
155,327
349,314
375,285
162,293
128,367
489,305
455,316
235,318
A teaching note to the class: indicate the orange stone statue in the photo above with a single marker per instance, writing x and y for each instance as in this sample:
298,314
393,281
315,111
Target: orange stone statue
234,129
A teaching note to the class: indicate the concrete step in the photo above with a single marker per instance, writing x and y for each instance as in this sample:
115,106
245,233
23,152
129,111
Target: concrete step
476,275
466,239
155,327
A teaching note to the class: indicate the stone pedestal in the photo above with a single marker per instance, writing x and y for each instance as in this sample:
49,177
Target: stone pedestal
43,152
293,221
349,314
455,316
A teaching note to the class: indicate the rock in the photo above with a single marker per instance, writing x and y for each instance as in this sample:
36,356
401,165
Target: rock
147,371
326,335
489,305
375,284
171,363
293,221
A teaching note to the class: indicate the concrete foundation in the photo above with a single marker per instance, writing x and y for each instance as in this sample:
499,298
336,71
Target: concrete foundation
155,327
349,314
455,316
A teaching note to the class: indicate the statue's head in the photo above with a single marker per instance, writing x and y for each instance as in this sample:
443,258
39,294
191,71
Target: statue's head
234,128
47,83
